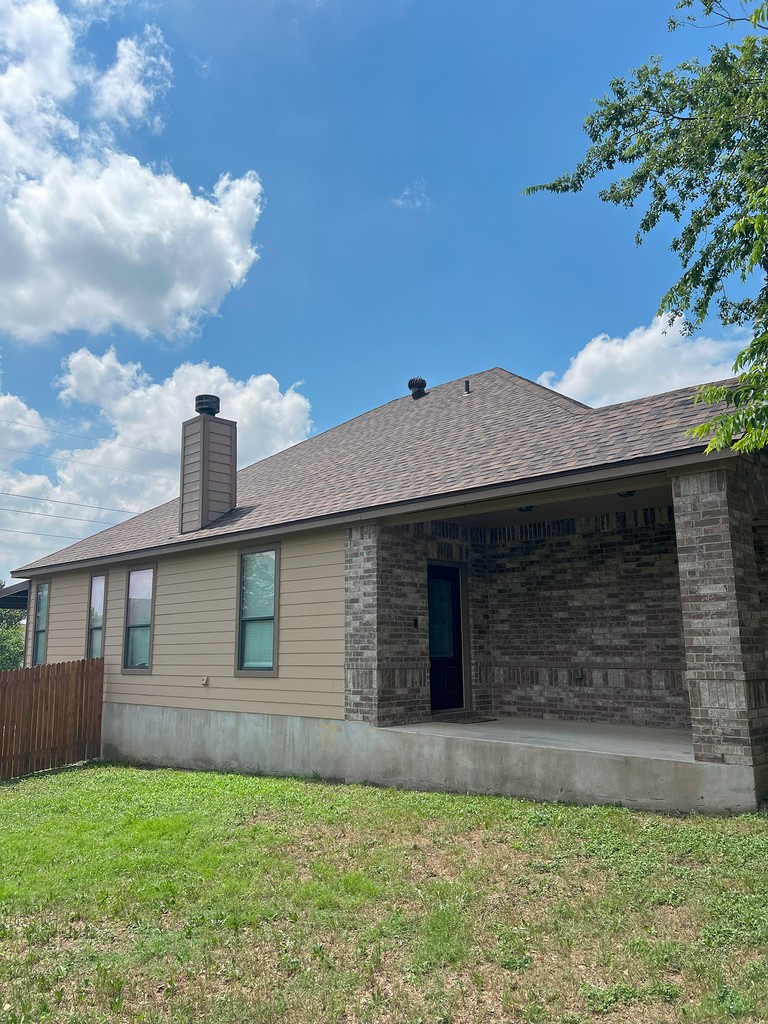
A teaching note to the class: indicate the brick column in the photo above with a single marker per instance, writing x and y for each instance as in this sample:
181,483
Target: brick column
480,618
722,622
361,639
386,665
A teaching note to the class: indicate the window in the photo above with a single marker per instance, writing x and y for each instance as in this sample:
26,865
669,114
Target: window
95,646
41,624
256,646
138,619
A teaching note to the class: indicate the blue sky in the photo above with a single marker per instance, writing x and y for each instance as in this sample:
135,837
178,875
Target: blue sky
299,204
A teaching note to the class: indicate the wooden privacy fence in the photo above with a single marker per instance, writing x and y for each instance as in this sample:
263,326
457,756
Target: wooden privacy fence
50,716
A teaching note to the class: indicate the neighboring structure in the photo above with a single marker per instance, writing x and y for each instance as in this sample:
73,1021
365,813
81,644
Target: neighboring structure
15,596
487,549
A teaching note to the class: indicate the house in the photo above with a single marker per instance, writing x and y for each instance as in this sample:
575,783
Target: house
482,586
14,597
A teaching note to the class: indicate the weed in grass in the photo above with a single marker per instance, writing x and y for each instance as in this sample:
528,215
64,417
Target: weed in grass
755,973
733,1002
510,949
659,955
39,933
672,897
394,926
736,919
443,939
109,987
603,1000
725,1003
535,1013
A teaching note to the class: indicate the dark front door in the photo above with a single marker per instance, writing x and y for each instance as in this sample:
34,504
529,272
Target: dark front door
445,657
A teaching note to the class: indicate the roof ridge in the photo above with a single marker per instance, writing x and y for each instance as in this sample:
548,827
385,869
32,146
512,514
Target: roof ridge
686,389
401,398
572,404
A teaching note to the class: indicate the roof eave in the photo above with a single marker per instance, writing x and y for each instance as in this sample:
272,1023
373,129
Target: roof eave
428,504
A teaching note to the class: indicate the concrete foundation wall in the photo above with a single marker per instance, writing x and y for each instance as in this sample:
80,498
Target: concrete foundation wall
358,752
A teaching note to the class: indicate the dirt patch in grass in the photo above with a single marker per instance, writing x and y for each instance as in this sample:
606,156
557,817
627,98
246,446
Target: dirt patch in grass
679,924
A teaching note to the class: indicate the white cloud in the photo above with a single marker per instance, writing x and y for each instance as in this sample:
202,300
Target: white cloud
119,401
19,428
649,360
98,380
99,244
97,10
413,197
141,72
90,238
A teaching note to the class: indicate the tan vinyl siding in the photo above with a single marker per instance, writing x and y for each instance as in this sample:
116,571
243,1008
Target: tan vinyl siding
195,633
67,616
29,629
191,447
221,471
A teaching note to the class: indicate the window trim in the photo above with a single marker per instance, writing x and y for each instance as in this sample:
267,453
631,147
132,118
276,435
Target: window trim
88,627
124,667
34,628
265,673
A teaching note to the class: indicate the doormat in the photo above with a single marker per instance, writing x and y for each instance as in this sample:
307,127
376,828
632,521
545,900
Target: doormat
461,717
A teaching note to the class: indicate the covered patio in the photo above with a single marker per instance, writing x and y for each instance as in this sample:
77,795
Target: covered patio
614,632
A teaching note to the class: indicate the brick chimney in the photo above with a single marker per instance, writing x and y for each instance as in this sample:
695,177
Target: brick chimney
208,485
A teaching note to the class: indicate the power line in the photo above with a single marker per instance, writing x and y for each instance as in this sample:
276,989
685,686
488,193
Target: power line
86,437
34,533
59,501
82,462
52,515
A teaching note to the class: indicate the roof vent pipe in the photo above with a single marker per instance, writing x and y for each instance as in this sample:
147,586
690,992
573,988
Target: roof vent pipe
207,405
417,386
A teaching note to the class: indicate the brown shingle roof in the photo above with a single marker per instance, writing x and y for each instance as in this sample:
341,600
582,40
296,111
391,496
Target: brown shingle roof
506,429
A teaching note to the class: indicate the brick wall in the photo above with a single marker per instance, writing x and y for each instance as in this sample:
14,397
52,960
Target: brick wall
361,580
757,691
575,619
722,554
403,625
587,621
387,617
386,666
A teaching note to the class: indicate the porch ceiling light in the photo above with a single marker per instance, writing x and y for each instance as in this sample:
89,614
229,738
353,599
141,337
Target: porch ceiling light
626,494
525,508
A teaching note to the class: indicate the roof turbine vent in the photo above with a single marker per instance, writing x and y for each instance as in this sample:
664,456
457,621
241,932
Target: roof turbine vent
207,405
417,386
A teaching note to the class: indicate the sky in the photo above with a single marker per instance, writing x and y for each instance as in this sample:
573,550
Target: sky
298,205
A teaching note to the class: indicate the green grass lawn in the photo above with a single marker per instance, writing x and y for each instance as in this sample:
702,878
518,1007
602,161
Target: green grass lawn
158,896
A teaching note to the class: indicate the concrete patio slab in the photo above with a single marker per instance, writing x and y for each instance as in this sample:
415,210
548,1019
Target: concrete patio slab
628,740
